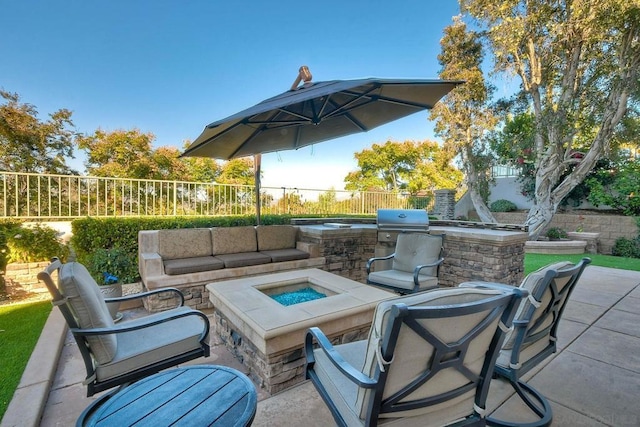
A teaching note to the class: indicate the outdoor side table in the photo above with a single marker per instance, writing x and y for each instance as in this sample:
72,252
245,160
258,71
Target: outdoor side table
191,396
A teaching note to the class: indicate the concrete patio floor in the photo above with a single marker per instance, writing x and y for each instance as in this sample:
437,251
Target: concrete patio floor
593,380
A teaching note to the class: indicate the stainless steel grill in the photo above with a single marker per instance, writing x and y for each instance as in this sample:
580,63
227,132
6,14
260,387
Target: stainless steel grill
402,220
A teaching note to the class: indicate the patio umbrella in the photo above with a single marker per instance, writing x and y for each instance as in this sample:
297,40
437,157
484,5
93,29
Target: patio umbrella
315,112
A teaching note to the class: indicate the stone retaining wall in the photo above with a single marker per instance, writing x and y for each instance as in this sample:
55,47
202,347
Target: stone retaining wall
21,279
610,227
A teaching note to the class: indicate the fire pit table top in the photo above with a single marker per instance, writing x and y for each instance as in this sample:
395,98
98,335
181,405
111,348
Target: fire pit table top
273,327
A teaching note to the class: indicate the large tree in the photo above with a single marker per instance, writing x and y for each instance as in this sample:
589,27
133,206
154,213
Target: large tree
407,166
578,63
130,154
463,116
31,145
119,154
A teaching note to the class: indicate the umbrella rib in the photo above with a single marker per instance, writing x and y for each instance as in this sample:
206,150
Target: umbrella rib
405,103
351,119
357,96
279,122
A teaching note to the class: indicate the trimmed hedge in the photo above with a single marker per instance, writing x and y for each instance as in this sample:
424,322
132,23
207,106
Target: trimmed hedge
91,234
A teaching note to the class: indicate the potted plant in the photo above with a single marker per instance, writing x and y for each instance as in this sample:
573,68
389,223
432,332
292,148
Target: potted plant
111,268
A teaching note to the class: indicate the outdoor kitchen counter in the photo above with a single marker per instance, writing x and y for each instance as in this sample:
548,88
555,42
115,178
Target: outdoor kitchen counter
495,255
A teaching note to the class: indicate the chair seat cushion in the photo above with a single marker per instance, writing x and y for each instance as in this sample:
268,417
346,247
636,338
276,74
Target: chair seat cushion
342,391
401,279
278,255
244,259
192,265
526,352
142,347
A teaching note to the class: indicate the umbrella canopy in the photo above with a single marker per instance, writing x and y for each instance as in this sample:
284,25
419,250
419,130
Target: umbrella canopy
316,112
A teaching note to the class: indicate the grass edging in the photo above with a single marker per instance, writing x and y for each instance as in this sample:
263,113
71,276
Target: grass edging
27,404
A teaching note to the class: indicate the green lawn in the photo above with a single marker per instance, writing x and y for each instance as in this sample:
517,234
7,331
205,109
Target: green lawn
533,262
20,328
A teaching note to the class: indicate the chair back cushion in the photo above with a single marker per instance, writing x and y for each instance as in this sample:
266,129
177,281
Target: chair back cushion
534,282
89,308
234,240
413,354
184,243
413,249
274,237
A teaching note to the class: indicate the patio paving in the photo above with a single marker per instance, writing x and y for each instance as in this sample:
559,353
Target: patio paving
593,380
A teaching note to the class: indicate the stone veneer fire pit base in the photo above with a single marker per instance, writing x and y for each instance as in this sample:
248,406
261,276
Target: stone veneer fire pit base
268,338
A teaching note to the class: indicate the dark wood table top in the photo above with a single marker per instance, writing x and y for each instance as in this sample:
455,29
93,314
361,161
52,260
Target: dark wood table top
198,395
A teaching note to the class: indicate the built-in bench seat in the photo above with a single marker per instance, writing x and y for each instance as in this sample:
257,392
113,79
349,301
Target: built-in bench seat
186,257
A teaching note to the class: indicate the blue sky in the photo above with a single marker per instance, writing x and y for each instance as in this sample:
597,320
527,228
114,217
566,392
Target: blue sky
171,67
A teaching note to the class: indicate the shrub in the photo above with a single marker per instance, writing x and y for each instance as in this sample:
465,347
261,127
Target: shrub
37,243
617,187
503,205
556,233
92,234
629,248
108,266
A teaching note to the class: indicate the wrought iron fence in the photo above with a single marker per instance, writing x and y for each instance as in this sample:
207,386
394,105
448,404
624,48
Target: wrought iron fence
41,196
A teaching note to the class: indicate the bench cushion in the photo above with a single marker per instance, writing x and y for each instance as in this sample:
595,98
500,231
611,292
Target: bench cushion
184,243
244,259
192,265
274,237
286,254
233,240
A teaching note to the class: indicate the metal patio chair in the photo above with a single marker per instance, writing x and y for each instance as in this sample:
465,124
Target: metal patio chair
428,360
118,354
415,267
534,333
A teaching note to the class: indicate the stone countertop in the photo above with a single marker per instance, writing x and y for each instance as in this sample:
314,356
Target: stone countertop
484,234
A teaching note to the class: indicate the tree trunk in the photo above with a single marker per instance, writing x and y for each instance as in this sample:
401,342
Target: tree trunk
474,182
481,207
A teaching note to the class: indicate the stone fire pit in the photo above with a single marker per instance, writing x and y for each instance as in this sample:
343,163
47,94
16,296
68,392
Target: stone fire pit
268,337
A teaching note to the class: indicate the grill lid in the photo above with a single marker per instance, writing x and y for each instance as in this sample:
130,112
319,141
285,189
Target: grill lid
402,219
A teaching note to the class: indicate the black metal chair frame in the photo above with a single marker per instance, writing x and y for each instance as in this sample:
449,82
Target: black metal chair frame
416,271
447,355
526,332
93,385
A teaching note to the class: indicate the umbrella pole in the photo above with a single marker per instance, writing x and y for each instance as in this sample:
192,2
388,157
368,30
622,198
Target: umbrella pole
257,160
